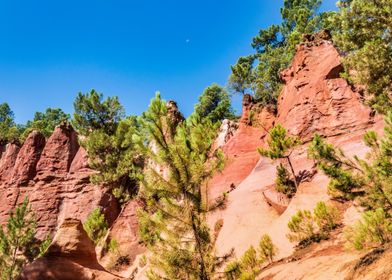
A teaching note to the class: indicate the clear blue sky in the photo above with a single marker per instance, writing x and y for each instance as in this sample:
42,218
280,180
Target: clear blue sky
52,49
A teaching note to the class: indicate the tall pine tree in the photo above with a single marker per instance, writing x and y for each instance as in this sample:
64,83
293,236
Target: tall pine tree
173,224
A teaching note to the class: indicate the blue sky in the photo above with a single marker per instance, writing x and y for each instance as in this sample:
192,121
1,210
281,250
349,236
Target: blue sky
51,50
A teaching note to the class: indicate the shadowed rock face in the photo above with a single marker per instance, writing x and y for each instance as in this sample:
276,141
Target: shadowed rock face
316,99
70,256
55,177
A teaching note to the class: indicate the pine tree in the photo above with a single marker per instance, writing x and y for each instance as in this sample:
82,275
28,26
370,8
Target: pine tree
46,122
369,179
364,33
173,225
9,131
94,113
18,245
109,140
280,146
267,249
259,73
214,104
333,162
116,158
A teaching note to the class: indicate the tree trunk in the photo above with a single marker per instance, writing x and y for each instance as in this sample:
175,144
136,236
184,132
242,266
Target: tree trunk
292,172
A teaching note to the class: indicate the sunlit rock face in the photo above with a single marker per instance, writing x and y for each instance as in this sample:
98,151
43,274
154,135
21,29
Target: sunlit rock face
54,175
316,99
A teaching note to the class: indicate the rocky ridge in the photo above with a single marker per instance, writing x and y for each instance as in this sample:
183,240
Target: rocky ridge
55,176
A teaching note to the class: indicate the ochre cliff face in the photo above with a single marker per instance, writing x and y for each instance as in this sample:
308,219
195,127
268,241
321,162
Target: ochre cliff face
70,256
316,99
55,177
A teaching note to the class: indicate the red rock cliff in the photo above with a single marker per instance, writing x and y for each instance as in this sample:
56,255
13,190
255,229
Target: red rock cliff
315,98
55,177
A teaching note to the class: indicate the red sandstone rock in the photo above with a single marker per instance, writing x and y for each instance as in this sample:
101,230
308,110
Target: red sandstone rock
58,153
70,256
125,230
54,194
7,162
28,156
241,150
316,99
80,162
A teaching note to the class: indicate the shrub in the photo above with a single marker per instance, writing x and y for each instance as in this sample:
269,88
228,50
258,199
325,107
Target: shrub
301,226
373,230
113,246
306,227
249,265
233,270
96,225
267,250
18,245
326,216
283,183
249,260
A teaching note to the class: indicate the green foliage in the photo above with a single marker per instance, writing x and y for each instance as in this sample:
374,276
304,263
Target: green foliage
267,250
249,261
173,224
364,33
306,227
113,246
9,131
335,165
258,73
96,225
93,113
249,266
283,183
280,146
373,230
116,158
241,79
233,270
371,178
301,226
214,104
46,122
18,245
326,216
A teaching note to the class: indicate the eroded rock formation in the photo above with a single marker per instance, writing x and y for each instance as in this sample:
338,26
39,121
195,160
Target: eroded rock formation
315,97
71,256
55,177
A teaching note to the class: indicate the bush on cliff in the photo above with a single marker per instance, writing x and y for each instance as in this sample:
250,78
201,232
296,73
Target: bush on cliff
109,140
96,225
374,229
307,227
18,245
249,265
